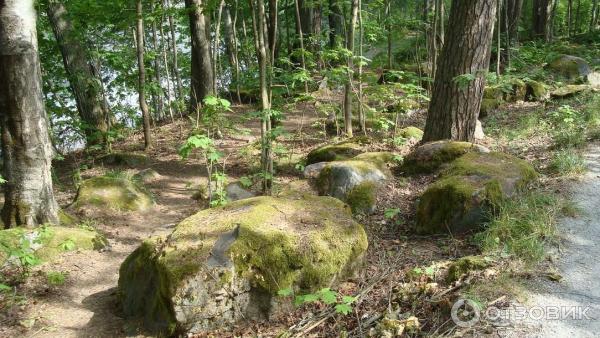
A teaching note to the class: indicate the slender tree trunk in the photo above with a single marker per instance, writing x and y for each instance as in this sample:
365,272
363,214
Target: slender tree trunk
217,44
160,103
361,113
578,17
202,72
85,84
348,86
542,11
498,36
261,44
301,39
335,23
26,147
176,73
594,16
232,52
142,74
163,47
455,103
273,27
388,27
569,16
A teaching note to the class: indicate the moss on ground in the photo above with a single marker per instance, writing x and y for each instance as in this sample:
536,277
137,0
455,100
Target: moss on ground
465,265
411,133
52,240
113,192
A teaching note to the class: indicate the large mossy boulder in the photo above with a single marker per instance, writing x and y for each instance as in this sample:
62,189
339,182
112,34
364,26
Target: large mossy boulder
48,242
336,152
355,181
429,157
124,159
113,192
568,91
570,67
411,133
462,199
226,264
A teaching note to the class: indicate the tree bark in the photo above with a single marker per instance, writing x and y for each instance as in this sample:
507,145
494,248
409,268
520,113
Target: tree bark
174,51
232,50
202,72
160,102
454,106
335,23
26,147
348,86
139,37
84,80
542,10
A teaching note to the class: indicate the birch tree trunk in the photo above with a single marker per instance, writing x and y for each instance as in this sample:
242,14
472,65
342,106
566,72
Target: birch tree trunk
139,37
26,146
85,82
461,69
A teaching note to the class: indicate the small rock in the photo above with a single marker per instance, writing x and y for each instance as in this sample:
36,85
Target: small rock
479,134
236,192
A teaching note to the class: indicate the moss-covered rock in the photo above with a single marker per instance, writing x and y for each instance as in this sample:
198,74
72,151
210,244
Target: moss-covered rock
489,105
536,91
336,152
493,93
228,263
67,219
411,133
570,67
431,156
113,192
380,158
355,182
464,265
48,242
147,176
568,90
124,159
461,201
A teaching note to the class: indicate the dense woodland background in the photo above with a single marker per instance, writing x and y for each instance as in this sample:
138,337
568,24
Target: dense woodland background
191,105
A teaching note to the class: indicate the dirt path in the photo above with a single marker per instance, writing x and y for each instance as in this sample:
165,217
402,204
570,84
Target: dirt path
579,265
87,305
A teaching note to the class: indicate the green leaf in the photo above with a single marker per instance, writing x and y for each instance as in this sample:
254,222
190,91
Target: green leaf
4,287
246,182
343,308
391,213
349,299
67,245
328,296
285,292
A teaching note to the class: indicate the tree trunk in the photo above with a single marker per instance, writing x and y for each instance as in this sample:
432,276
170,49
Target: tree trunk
542,10
301,39
348,86
594,16
273,22
202,73
174,51
460,76
232,52
514,10
335,23
139,37
26,147
261,44
160,102
85,83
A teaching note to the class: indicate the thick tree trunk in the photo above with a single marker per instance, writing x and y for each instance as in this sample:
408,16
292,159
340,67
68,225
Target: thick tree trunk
139,37
202,72
26,146
86,84
461,69
542,10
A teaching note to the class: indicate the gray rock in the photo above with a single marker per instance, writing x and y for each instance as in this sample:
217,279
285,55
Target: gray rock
313,170
236,192
570,67
479,134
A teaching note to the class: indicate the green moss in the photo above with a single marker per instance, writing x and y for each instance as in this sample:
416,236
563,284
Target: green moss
113,192
469,190
304,243
464,265
493,93
411,133
335,152
124,159
536,91
67,219
488,105
380,159
569,67
51,239
518,89
568,90
362,198
430,156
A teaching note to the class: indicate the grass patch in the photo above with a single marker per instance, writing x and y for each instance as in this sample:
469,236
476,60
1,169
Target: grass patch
567,162
522,227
